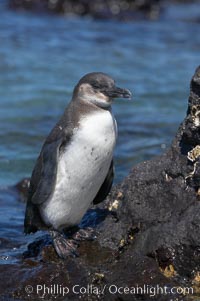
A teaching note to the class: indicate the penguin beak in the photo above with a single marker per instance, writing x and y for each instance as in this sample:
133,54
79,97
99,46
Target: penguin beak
119,93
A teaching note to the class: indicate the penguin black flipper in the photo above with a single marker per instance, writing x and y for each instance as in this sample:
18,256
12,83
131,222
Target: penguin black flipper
106,186
46,167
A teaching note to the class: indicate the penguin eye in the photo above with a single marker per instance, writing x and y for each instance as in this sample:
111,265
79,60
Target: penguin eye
96,86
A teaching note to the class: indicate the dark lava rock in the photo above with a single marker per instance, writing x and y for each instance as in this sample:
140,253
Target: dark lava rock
22,188
101,9
148,235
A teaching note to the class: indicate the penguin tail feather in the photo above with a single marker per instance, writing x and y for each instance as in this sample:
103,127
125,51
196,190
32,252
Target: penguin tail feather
32,221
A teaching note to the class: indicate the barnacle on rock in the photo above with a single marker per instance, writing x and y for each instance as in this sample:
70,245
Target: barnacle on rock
98,277
169,271
194,153
114,205
193,176
196,283
197,278
195,113
168,178
122,243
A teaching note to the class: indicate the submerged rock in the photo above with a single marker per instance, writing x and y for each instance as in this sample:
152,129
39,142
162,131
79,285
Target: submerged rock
22,188
148,235
118,9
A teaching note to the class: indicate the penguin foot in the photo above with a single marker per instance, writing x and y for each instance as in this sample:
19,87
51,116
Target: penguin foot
84,234
64,247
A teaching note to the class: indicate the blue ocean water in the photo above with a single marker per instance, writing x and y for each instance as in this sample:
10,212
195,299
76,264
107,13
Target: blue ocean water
41,59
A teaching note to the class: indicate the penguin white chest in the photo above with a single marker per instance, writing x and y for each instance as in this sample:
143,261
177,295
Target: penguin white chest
82,169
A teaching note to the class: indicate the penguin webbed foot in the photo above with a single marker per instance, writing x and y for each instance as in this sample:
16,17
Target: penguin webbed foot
64,247
84,234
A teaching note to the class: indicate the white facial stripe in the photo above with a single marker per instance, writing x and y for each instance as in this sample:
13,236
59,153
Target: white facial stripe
87,93
98,99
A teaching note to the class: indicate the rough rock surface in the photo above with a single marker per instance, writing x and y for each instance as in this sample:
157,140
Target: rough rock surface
148,234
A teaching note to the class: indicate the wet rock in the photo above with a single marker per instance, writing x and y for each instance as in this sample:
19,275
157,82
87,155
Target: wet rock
148,235
118,9
161,198
22,189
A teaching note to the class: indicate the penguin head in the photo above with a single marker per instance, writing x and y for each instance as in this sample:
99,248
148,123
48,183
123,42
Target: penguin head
100,89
